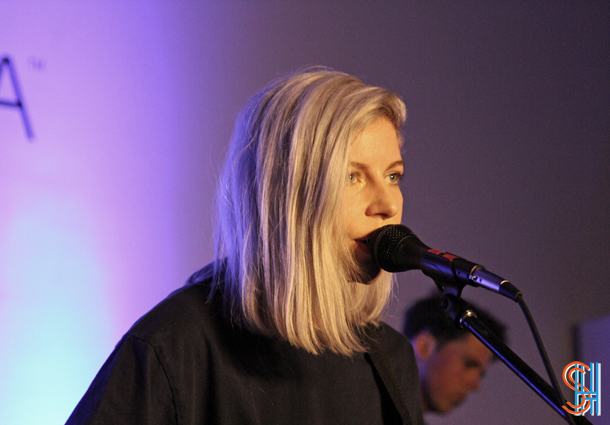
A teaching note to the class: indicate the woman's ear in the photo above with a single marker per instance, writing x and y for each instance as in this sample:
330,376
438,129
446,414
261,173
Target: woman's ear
424,344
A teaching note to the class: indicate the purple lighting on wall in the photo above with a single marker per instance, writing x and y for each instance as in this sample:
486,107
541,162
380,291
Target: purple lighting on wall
86,212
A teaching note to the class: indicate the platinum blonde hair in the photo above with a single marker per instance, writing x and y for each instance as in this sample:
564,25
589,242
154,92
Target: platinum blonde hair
279,207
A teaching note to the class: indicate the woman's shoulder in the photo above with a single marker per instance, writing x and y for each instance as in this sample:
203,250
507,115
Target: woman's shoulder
187,312
394,340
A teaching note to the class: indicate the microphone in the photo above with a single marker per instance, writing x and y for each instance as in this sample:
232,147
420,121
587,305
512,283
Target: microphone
395,248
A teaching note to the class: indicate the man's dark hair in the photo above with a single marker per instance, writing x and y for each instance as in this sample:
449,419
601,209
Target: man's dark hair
427,315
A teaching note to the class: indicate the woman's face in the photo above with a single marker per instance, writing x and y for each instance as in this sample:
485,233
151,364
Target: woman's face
373,198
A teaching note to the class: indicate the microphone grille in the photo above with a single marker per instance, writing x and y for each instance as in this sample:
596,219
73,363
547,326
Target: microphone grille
383,243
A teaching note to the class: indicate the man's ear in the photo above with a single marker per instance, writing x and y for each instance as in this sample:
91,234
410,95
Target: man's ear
424,344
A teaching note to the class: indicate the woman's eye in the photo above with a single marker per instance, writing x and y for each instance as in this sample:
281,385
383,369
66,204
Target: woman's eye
353,177
395,177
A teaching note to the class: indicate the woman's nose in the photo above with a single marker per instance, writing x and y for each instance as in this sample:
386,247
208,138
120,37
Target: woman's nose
384,200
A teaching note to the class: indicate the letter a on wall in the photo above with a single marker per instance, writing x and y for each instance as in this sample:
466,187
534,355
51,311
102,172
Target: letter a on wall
6,64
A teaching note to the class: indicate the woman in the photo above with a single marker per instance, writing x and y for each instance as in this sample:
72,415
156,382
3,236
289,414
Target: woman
284,326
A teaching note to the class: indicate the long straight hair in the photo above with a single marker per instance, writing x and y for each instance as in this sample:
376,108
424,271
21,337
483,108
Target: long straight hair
279,235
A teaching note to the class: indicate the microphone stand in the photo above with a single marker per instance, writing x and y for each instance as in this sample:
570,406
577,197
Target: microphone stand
463,315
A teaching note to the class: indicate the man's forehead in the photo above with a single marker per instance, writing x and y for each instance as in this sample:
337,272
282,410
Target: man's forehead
470,346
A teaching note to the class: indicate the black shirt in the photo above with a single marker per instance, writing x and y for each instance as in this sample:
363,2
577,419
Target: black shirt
183,363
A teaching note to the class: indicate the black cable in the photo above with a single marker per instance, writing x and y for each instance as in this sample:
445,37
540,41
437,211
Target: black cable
543,354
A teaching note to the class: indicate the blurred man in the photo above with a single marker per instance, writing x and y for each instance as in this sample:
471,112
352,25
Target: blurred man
451,360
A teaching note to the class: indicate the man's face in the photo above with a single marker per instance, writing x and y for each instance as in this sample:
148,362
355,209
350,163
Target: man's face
450,373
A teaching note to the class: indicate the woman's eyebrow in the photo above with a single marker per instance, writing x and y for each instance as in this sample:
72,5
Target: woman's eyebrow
364,166
358,165
400,163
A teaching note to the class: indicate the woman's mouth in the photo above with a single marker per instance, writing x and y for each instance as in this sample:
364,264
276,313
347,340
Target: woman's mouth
363,245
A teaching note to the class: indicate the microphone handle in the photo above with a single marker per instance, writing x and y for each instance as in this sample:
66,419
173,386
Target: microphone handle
452,270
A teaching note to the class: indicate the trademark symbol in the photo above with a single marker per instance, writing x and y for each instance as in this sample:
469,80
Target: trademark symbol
37,64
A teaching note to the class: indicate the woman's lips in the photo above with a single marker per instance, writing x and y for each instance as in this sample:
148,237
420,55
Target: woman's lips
363,245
